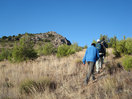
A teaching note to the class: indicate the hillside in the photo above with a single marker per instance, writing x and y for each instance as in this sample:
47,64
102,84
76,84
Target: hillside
66,76
38,39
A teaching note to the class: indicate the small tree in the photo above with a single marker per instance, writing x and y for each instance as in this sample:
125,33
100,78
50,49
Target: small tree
104,37
94,41
127,62
75,47
128,45
4,54
63,50
47,49
121,46
9,38
24,50
4,37
85,47
112,42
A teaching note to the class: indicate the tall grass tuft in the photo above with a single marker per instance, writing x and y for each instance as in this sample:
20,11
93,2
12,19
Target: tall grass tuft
32,86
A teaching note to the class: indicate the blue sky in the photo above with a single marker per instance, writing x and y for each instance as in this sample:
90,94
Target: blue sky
80,21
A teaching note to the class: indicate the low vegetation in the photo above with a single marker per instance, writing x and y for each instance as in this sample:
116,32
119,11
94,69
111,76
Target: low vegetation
23,51
65,50
25,47
32,86
5,53
49,77
46,49
127,62
54,76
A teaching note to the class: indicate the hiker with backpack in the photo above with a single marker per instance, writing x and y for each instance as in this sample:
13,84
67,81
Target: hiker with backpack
91,56
102,53
105,45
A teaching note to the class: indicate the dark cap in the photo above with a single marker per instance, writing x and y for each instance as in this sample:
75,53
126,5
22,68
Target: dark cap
93,44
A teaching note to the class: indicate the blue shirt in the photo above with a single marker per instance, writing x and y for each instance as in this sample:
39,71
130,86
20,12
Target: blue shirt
91,54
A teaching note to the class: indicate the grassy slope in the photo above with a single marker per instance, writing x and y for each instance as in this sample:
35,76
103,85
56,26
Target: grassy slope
69,74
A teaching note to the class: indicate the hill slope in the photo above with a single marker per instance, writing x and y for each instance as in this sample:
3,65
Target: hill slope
68,73
38,38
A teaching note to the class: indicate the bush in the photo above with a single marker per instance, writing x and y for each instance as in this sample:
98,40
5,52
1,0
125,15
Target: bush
4,37
75,47
85,47
4,54
127,62
121,46
31,86
65,50
112,42
94,42
3,44
47,40
116,53
10,44
128,45
47,49
24,50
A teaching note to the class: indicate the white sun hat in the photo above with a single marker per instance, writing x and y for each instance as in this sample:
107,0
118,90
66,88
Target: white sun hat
98,40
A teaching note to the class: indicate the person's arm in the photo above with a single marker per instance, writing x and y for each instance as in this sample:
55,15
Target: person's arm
84,58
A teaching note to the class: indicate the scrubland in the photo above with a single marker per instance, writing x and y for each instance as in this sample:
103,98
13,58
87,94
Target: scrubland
49,77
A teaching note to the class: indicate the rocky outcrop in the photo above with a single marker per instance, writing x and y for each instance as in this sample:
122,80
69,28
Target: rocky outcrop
52,37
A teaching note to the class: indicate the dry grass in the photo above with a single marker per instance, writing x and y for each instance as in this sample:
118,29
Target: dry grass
68,73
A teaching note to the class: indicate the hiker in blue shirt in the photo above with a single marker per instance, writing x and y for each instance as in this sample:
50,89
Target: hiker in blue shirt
91,56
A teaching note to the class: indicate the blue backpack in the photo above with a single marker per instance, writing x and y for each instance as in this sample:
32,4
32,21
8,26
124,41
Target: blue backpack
99,47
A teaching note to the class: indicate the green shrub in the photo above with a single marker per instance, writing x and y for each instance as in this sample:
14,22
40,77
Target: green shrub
4,54
3,44
31,86
23,51
128,45
85,47
10,44
116,53
112,42
50,35
47,40
75,47
4,37
121,46
47,49
65,50
127,62
94,42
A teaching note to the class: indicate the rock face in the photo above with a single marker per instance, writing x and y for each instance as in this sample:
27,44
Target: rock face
52,37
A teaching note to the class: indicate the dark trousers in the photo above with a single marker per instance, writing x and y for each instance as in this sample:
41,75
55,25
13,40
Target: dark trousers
91,66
